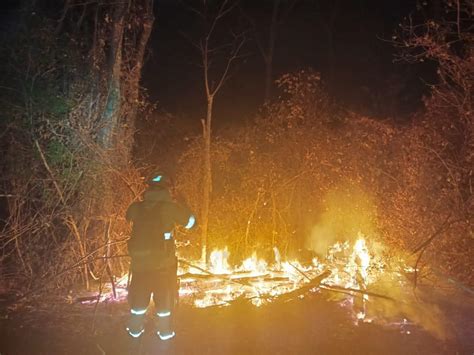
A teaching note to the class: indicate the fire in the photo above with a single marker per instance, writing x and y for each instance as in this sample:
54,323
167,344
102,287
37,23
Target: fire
351,266
219,261
254,265
355,268
362,258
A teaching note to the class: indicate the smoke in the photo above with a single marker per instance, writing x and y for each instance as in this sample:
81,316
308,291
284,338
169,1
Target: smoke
415,306
347,210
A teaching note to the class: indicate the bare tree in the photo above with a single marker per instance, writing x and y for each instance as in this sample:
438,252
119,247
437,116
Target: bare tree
266,39
214,78
327,21
268,54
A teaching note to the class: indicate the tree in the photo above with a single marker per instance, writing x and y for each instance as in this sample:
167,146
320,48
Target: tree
448,121
72,102
449,42
327,21
221,53
266,42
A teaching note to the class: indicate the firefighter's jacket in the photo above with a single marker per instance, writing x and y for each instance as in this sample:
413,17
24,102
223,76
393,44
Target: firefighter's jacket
151,245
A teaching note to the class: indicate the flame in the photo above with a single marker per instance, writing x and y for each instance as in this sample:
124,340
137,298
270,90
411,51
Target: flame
256,279
354,266
351,266
362,255
219,261
254,265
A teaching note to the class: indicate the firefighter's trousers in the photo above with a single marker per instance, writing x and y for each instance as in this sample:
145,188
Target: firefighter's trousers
162,283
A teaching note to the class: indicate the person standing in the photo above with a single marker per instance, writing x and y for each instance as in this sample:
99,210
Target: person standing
153,259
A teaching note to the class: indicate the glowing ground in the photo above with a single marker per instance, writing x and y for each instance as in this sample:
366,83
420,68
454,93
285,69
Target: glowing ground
304,326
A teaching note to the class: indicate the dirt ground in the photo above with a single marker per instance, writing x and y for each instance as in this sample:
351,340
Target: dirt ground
313,325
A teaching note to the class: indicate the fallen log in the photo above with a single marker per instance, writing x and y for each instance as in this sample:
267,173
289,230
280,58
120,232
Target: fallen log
232,277
256,278
207,277
301,272
350,291
304,289
345,290
276,279
182,261
87,298
243,282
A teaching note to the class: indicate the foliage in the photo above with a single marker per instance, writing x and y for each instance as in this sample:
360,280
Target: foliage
444,137
64,190
299,178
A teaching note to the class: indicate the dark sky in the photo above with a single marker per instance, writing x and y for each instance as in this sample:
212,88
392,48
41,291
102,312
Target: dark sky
360,72
357,65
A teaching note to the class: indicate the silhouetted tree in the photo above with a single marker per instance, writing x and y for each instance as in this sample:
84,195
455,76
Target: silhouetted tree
213,49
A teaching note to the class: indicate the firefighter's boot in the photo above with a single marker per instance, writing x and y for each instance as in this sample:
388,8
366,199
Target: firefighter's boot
136,324
164,324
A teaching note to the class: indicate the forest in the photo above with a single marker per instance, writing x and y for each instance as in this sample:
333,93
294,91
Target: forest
276,160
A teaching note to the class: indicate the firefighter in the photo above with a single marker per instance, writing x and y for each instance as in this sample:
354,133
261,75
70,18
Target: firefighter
153,260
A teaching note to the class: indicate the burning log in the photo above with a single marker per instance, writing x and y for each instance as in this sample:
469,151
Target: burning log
304,289
350,291
208,277
276,279
87,298
245,281
252,278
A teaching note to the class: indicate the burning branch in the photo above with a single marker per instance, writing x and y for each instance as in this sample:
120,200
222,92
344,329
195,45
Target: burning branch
304,289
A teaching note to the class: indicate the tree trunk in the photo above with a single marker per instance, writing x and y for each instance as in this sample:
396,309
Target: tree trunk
270,53
328,24
134,86
207,179
268,78
112,109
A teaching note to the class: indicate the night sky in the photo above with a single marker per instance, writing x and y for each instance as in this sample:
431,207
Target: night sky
360,73
357,66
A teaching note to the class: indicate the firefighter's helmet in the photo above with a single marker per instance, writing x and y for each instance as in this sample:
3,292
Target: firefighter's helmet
158,180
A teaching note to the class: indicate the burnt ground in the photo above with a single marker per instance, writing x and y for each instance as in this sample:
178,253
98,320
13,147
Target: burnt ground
313,325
